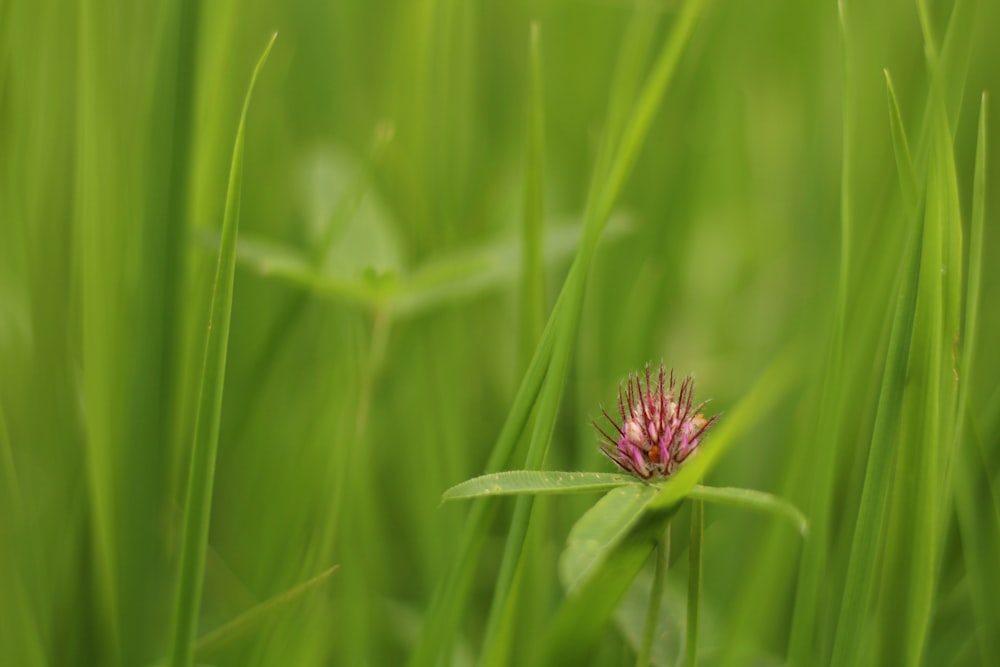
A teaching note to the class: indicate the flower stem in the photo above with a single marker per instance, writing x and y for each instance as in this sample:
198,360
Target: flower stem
694,582
655,598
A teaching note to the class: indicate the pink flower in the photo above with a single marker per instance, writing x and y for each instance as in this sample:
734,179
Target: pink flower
659,429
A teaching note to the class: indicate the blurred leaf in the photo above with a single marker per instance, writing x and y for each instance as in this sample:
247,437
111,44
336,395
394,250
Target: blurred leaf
272,259
253,618
439,282
588,608
631,614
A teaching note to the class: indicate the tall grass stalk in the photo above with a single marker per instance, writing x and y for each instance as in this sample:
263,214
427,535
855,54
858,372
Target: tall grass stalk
201,477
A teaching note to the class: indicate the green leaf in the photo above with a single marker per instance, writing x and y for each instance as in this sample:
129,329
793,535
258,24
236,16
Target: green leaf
274,260
670,631
544,482
600,531
519,482
757,501
976,247
201,476
901,147
532,227
977,520
439,282
859,586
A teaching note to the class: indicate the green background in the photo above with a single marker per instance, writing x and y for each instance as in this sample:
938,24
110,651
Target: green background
382,321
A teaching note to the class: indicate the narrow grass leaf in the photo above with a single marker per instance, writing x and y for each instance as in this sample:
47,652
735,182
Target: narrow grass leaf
975,272
452,591
626,81
637,126
532,227
770,388
541,436
901,147
518,482
859,585
979,523
928,412
930,376
198,506
7,463
953,63
821,467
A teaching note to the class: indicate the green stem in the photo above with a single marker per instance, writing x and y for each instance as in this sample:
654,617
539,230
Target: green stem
694,582
655,599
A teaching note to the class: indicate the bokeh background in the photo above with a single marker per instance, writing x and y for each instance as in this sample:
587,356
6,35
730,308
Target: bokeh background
387,144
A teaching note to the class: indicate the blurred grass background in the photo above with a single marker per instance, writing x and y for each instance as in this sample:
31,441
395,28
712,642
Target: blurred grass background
377,335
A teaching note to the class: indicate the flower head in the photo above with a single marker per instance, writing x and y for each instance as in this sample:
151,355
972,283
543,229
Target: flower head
659,427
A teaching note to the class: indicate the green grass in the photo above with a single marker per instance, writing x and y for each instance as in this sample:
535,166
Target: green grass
204,448
460,226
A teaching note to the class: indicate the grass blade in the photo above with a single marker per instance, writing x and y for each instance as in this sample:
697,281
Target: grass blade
532,266
860,583
761,398
976,246
198,506
635,130
9,474
541,436
901,147
978,522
